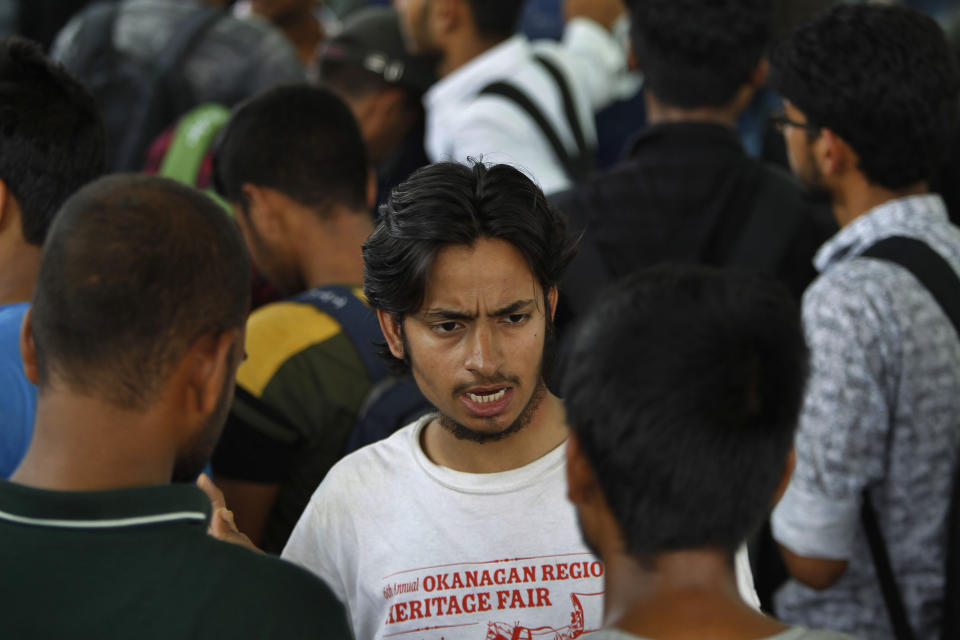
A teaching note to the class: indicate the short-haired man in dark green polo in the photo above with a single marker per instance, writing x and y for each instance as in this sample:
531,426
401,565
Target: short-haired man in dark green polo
134,337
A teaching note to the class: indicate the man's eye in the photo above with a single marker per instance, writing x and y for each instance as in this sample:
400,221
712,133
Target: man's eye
445,327
516,318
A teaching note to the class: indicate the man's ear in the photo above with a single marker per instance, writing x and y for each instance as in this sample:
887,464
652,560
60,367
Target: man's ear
4,203
211,361
552,296
28,350
371,188
447,16
788,468
834,155
263,208
392,331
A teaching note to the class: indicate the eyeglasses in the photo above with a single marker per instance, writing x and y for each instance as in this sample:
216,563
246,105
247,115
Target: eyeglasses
780,122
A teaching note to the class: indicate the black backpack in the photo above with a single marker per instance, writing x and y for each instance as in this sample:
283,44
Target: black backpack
936,275
137,100
392,402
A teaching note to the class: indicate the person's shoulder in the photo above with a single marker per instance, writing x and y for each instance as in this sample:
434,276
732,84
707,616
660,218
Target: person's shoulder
289,597
378,463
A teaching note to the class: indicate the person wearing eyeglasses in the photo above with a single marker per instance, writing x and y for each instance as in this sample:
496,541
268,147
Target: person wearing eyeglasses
871,94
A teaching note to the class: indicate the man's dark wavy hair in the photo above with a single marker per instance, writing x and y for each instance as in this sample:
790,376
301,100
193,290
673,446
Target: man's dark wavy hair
684,398
883,79
454,204
50,131
697,53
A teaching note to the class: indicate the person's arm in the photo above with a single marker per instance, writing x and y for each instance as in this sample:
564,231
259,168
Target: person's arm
841,438
816,573
252,503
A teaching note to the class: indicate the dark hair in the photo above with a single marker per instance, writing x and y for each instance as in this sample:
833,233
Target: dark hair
50,132
685,400
496,19
448,204
299,140
697,53
136,269
883,79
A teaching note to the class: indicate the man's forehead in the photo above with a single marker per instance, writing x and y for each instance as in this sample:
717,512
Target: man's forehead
489,274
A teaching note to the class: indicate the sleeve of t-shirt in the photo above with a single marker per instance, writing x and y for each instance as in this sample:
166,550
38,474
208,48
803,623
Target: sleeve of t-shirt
840,442
278,400
597,62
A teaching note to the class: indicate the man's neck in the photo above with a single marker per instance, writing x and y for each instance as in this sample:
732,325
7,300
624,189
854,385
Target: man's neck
18,272
461,51
304,32
330,249
857,196
546,431
685,594
84,444
659,112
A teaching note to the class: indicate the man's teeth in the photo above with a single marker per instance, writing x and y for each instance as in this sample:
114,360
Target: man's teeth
493,397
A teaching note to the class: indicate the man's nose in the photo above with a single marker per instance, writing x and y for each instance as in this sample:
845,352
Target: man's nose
484,354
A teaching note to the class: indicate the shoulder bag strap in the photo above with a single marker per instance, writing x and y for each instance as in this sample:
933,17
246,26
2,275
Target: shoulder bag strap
586,164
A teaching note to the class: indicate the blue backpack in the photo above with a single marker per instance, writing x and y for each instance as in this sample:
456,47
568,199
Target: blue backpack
392,402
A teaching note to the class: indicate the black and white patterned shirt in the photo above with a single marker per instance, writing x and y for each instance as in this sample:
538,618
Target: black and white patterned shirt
882,411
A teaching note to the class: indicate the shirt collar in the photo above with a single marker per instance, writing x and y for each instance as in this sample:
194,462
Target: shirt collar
910,216
691,134
103,509
496,63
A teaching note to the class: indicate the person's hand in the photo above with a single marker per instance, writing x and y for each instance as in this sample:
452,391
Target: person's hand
603,12
222,526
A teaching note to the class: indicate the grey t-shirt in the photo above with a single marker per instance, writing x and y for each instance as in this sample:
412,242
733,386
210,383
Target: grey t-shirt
795,633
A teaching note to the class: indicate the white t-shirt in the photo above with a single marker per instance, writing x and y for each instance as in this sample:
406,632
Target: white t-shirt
421,550
462,125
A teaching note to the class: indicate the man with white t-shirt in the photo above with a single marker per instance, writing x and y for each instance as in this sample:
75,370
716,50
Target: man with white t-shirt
458,525
506,99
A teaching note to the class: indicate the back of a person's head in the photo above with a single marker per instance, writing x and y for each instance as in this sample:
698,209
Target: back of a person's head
883,79
50,132
684,400
298,140
698,53
496,19
135,270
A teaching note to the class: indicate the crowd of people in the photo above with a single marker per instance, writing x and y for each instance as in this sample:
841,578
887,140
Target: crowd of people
324,319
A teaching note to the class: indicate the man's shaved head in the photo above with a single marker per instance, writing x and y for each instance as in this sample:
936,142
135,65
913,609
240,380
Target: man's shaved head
135,270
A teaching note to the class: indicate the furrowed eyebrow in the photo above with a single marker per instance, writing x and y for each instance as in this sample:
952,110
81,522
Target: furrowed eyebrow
512,308
449,314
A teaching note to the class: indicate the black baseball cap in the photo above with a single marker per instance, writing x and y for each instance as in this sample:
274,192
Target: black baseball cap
371,38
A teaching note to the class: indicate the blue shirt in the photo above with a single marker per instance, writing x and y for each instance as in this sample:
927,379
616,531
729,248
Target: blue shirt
18,396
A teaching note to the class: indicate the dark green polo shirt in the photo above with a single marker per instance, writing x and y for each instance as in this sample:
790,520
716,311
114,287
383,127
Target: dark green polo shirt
137,563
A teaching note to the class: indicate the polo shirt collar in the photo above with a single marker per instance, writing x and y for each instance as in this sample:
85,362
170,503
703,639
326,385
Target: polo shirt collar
179,503
909,216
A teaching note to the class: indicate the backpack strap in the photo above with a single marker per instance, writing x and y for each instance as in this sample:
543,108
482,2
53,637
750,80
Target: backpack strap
355,318
585,153
936,275
576,167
